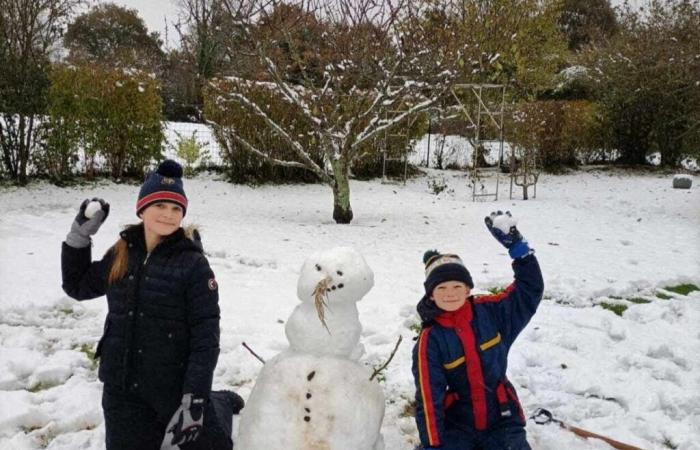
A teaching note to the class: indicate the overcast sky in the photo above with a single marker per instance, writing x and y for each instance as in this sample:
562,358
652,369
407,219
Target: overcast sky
155,13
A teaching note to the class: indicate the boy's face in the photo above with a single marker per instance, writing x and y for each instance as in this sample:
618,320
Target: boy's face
450,295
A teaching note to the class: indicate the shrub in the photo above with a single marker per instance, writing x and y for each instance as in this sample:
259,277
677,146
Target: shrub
560,132
113,114
189,149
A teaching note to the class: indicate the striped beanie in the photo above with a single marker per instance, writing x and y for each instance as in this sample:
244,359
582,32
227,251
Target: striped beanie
440,268
163,185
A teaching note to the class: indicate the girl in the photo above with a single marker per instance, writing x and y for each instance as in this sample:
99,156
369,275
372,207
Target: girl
463,399
161,336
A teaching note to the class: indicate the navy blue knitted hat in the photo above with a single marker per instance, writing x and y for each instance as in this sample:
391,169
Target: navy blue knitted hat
440,268
163,185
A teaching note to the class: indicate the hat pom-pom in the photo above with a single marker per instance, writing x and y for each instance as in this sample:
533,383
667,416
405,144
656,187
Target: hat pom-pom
430,254
170,168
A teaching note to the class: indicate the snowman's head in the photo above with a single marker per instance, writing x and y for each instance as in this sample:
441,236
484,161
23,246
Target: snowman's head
347,276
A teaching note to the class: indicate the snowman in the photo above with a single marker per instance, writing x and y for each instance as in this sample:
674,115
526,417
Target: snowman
315,395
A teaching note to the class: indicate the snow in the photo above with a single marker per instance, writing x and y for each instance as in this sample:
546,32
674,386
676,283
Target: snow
504,222
345,276
602,237
314,403
319,372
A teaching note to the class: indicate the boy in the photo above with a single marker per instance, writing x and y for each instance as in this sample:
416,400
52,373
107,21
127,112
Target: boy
463,399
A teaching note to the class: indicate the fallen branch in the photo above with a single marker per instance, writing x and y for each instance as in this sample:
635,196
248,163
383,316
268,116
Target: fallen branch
253,353
384,366
542,417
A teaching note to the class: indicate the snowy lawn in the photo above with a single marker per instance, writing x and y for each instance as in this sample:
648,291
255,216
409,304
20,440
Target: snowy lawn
605,240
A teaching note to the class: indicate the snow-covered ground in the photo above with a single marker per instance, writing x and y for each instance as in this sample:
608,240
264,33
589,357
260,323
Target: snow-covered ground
600,237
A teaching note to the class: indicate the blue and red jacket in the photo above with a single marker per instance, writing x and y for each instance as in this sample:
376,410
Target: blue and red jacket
461,357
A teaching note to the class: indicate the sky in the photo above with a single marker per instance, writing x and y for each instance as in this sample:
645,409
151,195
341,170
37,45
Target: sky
159,15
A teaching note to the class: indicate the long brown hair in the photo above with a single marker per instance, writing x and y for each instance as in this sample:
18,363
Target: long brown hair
120,261
120,255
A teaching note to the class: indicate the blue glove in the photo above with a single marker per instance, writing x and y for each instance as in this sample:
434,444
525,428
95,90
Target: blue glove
497,222
186,424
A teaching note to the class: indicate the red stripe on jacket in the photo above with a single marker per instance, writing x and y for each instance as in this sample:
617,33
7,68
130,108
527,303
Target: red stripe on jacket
495,298
425,390
460,322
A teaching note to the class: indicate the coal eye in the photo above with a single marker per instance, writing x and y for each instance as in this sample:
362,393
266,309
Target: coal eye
339,273
318,267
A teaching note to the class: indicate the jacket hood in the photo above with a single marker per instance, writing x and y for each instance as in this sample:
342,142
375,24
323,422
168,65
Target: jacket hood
428,310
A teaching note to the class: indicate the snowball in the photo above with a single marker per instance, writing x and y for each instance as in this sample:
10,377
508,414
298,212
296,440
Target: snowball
504,222
92,208
308,402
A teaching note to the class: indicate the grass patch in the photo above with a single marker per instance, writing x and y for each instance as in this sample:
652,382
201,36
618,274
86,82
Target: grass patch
638,300
663,296
496,290
616,308
90,353
416,328
41,386
682,289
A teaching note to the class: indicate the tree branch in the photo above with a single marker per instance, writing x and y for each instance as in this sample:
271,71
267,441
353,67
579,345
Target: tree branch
378,370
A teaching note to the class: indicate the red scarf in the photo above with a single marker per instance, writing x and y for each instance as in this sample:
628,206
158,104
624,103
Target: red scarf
460,321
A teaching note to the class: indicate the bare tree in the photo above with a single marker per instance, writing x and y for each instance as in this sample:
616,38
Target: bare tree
28,31
350,69
207,47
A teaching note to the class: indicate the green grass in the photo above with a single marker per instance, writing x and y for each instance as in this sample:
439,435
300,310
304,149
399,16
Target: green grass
638,300
41,386
496,290
90,353
663,296
682,289
415,327
616,308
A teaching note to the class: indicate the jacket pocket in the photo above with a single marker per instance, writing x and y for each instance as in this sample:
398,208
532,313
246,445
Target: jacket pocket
454,364
490,343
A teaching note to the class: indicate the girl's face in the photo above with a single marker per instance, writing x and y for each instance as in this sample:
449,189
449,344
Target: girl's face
162,219
450,295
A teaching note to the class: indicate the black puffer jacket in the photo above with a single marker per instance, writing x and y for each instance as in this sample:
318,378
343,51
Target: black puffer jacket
161,336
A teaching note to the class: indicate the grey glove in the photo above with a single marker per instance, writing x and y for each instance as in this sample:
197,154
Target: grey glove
83,228
186,424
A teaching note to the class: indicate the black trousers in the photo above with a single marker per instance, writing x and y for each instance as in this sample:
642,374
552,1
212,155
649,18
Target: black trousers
134,422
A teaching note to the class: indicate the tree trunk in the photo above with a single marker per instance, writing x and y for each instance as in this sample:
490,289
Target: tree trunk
342,212
23,142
